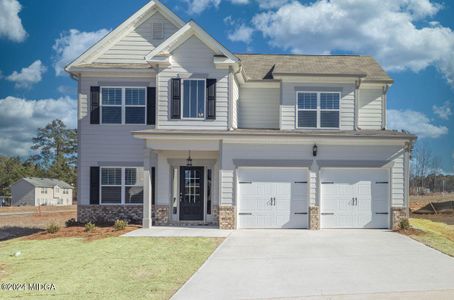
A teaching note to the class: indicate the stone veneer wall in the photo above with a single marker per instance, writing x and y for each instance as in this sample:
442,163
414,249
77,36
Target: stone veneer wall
161,215
398,214
109,213
314,218
227,217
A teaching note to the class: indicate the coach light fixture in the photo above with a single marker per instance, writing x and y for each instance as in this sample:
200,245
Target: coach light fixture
314,150
189,160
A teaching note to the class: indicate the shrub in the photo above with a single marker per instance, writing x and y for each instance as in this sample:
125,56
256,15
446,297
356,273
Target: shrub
120,225
90,227
53,228
404,224
71,223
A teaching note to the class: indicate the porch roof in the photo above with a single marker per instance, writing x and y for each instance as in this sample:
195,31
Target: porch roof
367,134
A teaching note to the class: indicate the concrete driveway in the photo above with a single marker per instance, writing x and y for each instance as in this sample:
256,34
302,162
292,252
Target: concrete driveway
327,264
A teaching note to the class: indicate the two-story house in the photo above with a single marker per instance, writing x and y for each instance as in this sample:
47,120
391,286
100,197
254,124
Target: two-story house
176,129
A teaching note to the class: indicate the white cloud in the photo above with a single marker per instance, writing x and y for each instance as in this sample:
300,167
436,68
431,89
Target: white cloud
196,7
242,33
72,44
65,89
240,1
269,4
444,111
415,122
20,118
10,23
28,76
389,30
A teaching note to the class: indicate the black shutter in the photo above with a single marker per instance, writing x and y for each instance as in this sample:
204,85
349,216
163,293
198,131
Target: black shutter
94,185
94,105
175,105
153,186
211,99
151,106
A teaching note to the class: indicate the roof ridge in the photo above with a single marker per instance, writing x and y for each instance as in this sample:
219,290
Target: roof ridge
292,54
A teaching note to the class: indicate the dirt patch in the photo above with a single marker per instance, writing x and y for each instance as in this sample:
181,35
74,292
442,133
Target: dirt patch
79,232
411,231
36,220
418,202
440,218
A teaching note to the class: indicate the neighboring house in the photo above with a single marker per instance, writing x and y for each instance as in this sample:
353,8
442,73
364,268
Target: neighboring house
41,191
176,129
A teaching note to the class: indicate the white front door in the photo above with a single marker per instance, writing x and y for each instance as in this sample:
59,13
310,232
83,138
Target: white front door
272,198
354,198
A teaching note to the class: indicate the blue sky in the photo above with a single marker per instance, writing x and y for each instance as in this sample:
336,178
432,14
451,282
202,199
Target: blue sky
413,40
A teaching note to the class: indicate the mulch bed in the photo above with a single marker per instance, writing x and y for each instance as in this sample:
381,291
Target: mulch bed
411,231
79,232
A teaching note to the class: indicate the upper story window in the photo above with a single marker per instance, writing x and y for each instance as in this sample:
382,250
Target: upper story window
194,99
318,110
123,105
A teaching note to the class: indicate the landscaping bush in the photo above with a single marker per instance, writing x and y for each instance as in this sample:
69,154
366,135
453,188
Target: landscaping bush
71,223
404,224
90,227
120,225
53,228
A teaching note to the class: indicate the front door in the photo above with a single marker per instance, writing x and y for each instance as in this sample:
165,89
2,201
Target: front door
191,193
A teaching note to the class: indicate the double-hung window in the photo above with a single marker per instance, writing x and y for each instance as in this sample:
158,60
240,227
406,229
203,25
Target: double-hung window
123,105
194,99
318,110
121,185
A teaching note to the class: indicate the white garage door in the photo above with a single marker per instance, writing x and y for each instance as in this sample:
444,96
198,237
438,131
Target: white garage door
272,198
354,198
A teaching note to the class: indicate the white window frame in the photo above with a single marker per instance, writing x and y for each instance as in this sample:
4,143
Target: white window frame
123,186
318,109
123,104
204,98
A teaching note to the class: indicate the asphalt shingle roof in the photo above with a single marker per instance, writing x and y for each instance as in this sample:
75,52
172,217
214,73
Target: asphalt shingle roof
265,66
47,182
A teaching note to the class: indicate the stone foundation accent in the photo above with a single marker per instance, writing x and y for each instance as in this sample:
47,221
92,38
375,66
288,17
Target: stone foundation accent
314,218
227,217
102,214
398,214
161,215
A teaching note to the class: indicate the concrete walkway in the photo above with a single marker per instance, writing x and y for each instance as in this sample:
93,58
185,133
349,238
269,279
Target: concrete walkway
163,231
327,264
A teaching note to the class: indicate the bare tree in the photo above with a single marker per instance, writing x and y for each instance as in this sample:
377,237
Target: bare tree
423,163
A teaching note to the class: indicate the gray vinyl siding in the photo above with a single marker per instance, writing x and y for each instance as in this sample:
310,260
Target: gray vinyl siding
105,143
23,193
370,107
288,105
259,108
134,46
398,181
193,59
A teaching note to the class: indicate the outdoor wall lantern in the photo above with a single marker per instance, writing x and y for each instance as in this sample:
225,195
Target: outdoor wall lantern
314,150
189,160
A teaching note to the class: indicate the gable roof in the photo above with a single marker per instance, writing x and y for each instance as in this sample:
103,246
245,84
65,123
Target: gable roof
136,19
189,29
268,66
47,182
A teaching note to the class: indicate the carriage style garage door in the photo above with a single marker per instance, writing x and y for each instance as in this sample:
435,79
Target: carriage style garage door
272,198
354,198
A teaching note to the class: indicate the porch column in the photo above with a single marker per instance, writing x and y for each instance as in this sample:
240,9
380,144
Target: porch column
147,191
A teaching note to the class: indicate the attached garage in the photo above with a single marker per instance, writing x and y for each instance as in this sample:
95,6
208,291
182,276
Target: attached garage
272,198
354,198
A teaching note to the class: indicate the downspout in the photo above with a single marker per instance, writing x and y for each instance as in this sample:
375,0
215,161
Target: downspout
384,104
356,110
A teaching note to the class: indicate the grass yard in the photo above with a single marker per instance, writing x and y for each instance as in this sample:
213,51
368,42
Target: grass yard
110,268
437,235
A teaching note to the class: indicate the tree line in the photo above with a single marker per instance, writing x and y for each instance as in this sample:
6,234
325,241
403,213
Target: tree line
54,155
426,173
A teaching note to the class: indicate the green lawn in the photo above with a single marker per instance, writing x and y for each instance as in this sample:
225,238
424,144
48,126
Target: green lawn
434,234
111,268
